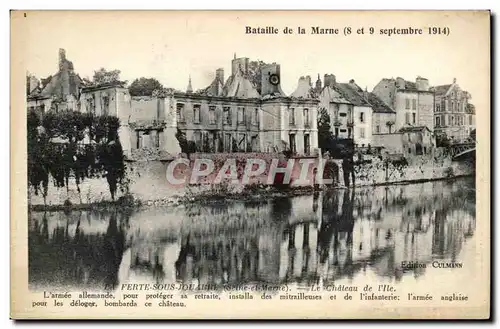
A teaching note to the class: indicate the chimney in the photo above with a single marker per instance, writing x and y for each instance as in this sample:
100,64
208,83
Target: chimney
239,64
352,83
422,84
308,79
400,83
32,83
454,80
62,58
329,80
219,75
303,87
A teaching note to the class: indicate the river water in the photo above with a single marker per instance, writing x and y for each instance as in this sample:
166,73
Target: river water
338,236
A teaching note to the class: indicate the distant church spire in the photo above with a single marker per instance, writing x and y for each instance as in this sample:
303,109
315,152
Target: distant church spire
318,83
189,87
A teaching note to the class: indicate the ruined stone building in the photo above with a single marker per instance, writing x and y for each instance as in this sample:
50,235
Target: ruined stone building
110,98
409,142
453,114
413,102
247,112
32,83
65,90
58,92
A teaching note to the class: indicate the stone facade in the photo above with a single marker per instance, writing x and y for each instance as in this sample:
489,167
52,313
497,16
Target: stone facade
391,143
217,124
383,122
413,102
340,110
418,141
363,125
453,114
109,99
350,111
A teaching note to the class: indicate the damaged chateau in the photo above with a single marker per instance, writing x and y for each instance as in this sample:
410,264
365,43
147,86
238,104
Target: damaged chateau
249,112
391,133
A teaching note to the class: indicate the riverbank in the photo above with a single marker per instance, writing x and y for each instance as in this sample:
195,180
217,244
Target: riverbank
253,193
147,182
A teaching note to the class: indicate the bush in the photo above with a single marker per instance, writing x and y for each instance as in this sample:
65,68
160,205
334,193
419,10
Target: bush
126,200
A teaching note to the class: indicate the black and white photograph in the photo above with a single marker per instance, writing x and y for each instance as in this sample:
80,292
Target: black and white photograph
190,165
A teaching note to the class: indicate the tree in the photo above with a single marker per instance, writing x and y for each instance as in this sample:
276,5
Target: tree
144,86
473,135
183,142
103,156
324,133
389,125
442,139
234,145
104,76
286,150
186,145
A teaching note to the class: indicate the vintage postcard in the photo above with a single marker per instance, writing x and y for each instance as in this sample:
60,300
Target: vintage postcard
250,164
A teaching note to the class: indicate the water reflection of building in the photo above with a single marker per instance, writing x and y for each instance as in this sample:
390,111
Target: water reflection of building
451,229
150,260
229,260
345,231
427,229
335,235
349,243
299,244
332,235
271,255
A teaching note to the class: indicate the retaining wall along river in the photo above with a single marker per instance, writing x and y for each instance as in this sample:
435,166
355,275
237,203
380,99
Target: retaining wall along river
148,179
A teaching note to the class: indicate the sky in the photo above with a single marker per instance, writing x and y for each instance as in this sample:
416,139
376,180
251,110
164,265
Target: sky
171,46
